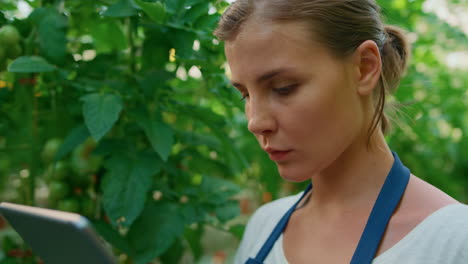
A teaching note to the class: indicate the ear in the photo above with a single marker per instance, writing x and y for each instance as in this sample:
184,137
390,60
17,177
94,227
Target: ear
369,66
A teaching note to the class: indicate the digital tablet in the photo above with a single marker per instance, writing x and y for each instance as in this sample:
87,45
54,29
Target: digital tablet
57,237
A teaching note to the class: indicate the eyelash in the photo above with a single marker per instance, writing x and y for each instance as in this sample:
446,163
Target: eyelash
281,91
244,95
285,90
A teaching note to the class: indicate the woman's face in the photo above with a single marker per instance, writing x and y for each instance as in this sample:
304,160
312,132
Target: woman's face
301,103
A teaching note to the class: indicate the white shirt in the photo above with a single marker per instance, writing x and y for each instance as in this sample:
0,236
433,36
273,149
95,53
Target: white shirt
442,238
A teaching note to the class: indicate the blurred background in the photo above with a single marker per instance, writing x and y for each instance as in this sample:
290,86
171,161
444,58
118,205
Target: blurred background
121,110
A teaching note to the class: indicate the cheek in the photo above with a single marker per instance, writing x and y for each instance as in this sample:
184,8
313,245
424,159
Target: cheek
324,114
314,109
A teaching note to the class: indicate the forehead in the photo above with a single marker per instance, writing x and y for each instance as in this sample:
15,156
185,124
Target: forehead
256,33
263,46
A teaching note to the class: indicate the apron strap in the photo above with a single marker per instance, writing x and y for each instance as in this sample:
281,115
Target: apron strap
275,234
253,261
386,203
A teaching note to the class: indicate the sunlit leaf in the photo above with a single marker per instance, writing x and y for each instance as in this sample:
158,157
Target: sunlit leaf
108,35
155,10
196,11
207,23
123,8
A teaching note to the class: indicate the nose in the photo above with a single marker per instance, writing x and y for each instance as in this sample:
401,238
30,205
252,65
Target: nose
260,118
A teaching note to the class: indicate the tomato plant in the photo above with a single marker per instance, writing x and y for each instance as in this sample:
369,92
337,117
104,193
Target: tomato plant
111,102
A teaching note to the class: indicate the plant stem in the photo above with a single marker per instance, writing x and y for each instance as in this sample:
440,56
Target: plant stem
29,43
34,146
131,43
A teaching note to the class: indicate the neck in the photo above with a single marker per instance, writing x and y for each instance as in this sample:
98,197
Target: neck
353,181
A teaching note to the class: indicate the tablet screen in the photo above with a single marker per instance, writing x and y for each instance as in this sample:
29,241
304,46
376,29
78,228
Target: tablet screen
55,236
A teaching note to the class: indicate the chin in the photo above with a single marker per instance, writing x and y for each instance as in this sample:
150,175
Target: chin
292,175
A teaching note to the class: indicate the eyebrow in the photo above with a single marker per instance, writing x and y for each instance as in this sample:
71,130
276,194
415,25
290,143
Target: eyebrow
266,76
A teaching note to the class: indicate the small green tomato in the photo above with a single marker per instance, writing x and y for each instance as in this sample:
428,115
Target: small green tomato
9,35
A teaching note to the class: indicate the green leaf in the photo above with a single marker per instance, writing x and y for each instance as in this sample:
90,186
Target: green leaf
8,6
227,210
207,23
123,8
160,135
77,136
182,41
174,253
174,6
111,236
154,81
202,114
126,186
155,50
107,35
194,239
237,231
100,112
30,64
108,147
155,231
38,14
217,191
52,37
155,10
196,139
192,2
196,11
192,213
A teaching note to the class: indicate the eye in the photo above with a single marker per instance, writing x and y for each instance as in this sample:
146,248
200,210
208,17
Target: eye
242,91
285,90
244,96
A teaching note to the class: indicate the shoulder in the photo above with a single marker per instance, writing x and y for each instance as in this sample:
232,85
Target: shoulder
261,224
451,218
421,199
428,223
440,238
423,203
446,232
446,228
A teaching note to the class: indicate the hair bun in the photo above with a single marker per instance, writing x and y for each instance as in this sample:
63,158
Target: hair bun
396,37
395,55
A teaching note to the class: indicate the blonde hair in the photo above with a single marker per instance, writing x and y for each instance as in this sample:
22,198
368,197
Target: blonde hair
341,25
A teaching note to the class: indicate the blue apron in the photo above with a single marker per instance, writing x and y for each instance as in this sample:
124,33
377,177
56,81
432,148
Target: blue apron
386,203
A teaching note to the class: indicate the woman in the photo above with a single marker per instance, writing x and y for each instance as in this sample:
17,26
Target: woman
314,75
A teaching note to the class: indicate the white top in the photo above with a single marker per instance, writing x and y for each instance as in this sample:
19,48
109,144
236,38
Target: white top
441,238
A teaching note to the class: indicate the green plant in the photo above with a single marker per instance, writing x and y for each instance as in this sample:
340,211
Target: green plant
115,102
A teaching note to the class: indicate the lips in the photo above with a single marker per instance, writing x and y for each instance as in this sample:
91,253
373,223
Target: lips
277,155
